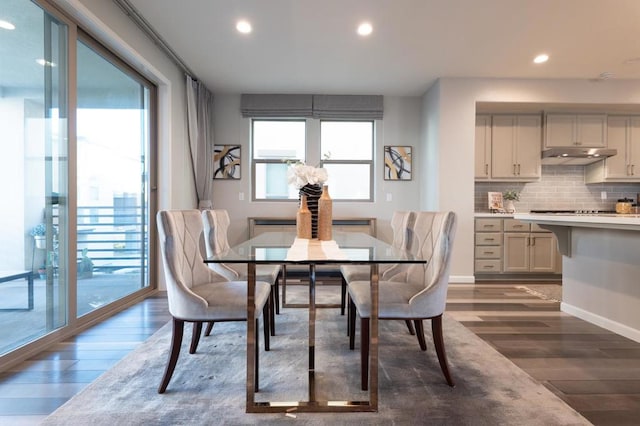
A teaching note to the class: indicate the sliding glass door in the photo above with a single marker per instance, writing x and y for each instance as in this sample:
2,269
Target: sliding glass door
34,170
75,146
112,210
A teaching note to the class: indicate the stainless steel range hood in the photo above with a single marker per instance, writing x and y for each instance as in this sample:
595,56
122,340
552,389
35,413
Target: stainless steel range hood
575,156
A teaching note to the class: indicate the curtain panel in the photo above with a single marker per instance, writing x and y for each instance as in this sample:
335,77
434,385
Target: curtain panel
346,107
200,127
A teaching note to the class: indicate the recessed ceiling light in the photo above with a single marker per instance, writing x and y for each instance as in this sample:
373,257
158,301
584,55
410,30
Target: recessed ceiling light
7,25
541,59
45,63
365,29
243,26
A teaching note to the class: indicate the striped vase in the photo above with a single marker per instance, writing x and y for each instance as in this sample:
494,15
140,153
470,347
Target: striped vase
313,193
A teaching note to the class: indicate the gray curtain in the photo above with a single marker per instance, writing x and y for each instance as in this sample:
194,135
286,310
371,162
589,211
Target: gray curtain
200,127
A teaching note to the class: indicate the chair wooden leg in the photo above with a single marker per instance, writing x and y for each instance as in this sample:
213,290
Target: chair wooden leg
348,303
266,315
364,353
176,341
343,294
272,311
276,287
420,334
438,341
207,332
410,327
352,324
195,336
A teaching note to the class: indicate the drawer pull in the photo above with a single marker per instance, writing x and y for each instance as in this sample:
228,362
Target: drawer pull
490,239
488,267
488,252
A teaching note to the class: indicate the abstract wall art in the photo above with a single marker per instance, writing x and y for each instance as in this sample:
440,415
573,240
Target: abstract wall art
226,162
397,163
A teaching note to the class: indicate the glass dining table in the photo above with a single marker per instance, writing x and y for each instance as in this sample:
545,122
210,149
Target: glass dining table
283,248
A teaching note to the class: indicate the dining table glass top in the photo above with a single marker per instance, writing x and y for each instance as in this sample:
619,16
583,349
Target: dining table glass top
285,248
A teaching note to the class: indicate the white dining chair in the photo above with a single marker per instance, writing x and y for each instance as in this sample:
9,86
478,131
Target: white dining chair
216,227
417,293
196,293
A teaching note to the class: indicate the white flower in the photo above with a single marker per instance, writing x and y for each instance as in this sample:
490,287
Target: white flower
300,174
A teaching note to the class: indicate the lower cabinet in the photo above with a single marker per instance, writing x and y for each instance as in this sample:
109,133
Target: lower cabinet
519,248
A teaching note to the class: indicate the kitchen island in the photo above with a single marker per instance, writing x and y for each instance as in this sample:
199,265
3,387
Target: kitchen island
601,267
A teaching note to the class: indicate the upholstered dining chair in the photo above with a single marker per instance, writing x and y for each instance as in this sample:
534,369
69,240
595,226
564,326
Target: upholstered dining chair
401,225
216,227
417,293
196,293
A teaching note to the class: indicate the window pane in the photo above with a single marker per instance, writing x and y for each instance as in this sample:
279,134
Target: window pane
33,168
278,139
349,181
271,182
346,140
112,163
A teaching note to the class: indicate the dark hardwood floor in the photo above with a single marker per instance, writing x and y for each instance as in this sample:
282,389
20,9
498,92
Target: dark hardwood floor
595,371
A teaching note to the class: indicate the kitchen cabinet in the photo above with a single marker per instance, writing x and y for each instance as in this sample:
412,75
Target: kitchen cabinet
488,246
515,147
506,246
528,249
623,134
582,130
483,147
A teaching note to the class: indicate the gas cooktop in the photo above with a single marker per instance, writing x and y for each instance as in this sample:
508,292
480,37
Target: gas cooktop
579,211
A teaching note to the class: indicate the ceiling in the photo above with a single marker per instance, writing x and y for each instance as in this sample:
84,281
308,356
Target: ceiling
310,46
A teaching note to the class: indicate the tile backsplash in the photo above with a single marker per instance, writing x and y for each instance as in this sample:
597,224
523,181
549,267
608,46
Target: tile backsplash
561,188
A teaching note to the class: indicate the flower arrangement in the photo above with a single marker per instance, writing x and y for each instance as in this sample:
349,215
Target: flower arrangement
511,194
300,174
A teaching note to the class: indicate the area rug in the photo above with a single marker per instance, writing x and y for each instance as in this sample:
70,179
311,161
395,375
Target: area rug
208,388
551,292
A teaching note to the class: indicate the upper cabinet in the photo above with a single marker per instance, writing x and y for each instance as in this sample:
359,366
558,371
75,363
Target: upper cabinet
581,130
483,147
515,147
623,134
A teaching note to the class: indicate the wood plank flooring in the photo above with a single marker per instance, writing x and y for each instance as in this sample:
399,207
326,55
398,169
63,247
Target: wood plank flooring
594,371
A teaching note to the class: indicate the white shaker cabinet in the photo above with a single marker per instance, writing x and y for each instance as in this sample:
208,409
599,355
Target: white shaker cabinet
581,130
623,134
515,147
483,147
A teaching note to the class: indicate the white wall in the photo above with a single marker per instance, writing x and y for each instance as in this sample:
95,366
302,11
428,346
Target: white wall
401,126
456,132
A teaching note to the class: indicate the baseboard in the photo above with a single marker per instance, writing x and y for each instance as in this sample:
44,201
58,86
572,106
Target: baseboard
462,279
614,326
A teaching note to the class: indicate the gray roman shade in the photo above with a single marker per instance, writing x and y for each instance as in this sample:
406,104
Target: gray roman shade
276,105
345,107
348,106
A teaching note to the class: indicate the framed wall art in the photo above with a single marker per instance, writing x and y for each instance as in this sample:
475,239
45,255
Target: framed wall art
397,163
226,161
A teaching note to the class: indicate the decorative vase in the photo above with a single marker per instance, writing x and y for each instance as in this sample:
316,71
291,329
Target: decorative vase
303,219
313,193
325,215
509,206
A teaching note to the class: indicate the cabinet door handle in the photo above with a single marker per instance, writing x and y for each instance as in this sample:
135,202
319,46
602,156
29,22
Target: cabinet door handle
633,170
518,169
533,241
486,170
514,169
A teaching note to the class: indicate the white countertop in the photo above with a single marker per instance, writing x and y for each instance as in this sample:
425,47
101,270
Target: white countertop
609,221
496,215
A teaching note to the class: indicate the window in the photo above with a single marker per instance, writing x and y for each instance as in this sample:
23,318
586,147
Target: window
275,144
343,148
347,152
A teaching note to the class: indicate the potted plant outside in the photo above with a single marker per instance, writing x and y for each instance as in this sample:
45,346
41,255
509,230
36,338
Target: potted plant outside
38,233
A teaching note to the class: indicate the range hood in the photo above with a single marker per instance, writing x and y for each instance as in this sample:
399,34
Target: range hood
574,156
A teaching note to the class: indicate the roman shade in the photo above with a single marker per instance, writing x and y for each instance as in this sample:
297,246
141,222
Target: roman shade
348,106
276,105
345,107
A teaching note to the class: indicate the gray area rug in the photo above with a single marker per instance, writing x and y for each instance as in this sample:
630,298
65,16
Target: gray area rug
208,388
552,292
